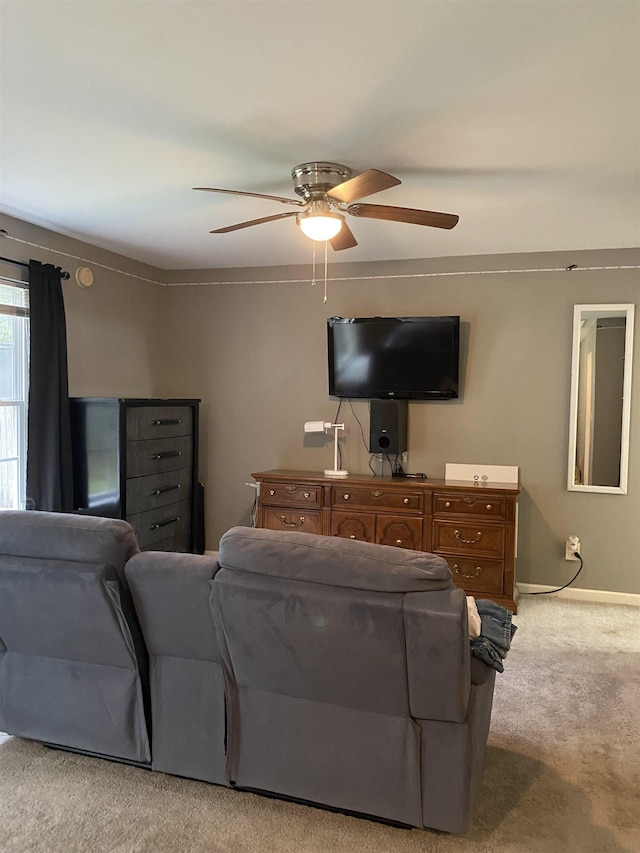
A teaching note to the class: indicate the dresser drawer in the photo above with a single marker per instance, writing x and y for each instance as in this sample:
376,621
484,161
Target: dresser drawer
399,531
480,505
291,494
354,525
374,498
157,455
292,519
478,575
158,422
144,493
171,522
479,539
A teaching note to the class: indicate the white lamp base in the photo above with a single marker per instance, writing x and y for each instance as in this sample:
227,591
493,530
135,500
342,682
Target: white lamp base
331,472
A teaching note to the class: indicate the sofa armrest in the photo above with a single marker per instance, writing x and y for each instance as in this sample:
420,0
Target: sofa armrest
438,654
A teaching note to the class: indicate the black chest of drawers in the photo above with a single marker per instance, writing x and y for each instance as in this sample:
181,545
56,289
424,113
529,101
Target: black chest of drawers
137,459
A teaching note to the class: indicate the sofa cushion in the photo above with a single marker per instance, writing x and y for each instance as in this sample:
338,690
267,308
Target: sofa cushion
331,560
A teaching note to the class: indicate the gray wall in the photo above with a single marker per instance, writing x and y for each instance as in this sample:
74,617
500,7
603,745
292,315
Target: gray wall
114,342
114,329
256,355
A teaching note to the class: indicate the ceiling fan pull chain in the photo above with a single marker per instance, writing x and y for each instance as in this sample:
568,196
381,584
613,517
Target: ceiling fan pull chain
326,242
313,265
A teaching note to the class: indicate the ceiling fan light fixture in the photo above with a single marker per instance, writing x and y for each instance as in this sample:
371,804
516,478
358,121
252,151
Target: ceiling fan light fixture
325,186
320,226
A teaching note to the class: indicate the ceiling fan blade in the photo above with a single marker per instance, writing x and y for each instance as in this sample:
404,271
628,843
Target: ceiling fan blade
344,239
251,222
404,214
369,182
253,195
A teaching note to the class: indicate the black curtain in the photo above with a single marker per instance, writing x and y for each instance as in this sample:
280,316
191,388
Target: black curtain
49,465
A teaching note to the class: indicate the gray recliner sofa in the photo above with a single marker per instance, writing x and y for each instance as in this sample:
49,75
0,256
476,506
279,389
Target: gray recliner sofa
311,668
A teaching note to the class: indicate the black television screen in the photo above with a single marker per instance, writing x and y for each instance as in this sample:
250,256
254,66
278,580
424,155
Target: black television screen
402,358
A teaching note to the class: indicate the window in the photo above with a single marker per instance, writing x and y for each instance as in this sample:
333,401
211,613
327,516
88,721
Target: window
14,389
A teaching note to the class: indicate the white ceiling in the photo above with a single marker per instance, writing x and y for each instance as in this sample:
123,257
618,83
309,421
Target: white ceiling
521,117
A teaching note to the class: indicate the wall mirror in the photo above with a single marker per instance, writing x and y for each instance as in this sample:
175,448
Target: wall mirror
600,398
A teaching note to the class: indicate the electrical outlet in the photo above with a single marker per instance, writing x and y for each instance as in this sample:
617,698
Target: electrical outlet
572,548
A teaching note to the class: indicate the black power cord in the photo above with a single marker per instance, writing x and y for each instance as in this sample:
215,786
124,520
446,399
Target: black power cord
568,583
364,441
353,412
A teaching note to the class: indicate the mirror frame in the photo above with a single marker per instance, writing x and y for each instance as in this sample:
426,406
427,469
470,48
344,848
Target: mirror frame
581,312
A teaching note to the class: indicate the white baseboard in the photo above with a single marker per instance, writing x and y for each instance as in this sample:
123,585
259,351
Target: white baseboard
599,595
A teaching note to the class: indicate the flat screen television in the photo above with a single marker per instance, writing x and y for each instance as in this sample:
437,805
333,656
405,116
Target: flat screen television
401,358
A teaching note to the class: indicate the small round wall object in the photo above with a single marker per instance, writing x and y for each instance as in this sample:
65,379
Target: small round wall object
84,276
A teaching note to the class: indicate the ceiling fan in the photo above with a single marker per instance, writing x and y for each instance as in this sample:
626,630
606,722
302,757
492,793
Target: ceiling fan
326,189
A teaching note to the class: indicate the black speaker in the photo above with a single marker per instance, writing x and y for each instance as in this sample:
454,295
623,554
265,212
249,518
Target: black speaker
388,426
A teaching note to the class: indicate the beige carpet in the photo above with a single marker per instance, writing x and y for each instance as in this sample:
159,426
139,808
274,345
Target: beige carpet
562,771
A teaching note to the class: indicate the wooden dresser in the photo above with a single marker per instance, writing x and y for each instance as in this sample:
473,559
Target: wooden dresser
472,526
137,459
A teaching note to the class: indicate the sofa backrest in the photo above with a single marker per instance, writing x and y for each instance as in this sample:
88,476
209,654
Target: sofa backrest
333,651
67,536
332,561
72,660
171,596
344,622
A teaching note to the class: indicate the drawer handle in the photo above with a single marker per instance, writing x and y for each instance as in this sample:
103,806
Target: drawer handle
290,489
399,543
346,497
154,492
475,574
164,523
461,538
376,494
469,501
165,455
405,501
292,523
272,492
352,536
166,422
307,494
